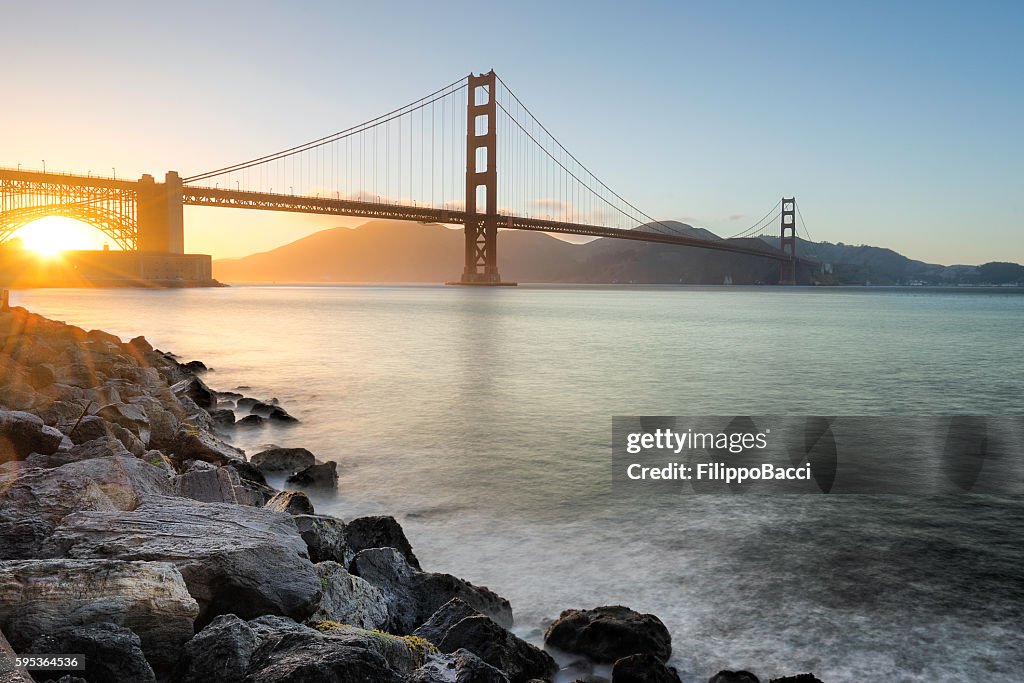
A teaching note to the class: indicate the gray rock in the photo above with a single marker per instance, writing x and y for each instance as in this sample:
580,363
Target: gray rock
413,596
8,672
273,460
221,652
40,597
246,403
292,502
196,389
23,433
461,666
199,444
649,669
325,538
323,475
131,416
378,531
348,599
89,428
296,660
42,375
128,438
234,559
34,502
220,485
605,634
223,417
100,447
798,678
279,414
456,625
250,421
112,653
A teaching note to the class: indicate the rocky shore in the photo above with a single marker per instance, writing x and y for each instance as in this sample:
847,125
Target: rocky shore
134,534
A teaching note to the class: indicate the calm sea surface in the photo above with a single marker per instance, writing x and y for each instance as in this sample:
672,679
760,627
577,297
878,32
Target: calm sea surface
482,420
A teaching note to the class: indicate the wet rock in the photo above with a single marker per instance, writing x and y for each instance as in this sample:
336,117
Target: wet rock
278,414
323,475
250,421
195,366
728,676
248,472
197,444
799,678
456,625
292,502
246,403
223,417
325,538
298,660
605,634
461,666
413,596
234,559
147,597
378,531
290,460
260,408
644,669
228,395
221,652
194,388
348,599
112,653
22,433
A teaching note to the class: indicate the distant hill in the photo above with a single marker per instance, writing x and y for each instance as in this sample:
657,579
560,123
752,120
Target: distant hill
399,251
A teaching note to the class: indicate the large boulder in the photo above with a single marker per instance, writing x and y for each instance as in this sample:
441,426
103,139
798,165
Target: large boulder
798,678
34,502
23,433
456,625
212,484
234,559
88,428
128,415
193,443
40,597
325,538
644,669
729,676
605,634
194,388
348,599
413,596
221,652
291,502
378,531
112,653
8,672
461,666
323,475
276,460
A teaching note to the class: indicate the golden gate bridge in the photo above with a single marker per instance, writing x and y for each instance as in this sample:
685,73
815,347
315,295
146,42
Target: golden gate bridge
470,153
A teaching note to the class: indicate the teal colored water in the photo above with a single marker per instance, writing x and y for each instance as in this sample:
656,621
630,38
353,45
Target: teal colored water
482,420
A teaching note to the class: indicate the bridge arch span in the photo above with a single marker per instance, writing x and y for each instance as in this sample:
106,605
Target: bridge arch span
121,228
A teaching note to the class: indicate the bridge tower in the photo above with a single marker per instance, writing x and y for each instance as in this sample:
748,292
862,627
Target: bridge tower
787,241
481,183
161,215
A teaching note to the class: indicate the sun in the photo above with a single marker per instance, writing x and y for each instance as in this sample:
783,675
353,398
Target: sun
54,234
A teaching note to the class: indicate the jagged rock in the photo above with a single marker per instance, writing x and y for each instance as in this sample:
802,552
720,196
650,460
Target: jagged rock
248,472
194,388
221,652
246,403
197,444
283,460
461,666
644,669
100,336
22,433
223,417
250,421
799,678
148,597
456,625
377,531
140,345
128,415
292,502
261,408
234,559
8,672
19,397
606,634
228,395
160,461
34,502
99,448
323,475
298,660
278,414
413,596
134,444
325,538
89,428
220,485
348,599
727,676
112,653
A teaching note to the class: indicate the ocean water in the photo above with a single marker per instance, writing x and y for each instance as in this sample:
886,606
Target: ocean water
482,420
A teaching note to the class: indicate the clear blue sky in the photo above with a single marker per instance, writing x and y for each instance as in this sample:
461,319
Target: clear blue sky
896,124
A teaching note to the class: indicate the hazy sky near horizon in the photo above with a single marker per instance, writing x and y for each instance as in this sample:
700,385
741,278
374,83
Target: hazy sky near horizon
894,124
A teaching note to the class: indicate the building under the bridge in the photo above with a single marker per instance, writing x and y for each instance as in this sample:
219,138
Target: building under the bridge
106,268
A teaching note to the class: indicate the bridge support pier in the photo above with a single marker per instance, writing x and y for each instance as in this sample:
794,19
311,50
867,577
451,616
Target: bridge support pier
161,215
481,184
787,241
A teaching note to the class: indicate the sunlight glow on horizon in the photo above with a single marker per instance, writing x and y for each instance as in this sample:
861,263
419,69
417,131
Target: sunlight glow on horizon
55,234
